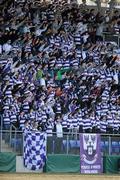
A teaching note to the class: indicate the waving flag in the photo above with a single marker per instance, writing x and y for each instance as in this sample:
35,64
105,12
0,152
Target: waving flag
34,150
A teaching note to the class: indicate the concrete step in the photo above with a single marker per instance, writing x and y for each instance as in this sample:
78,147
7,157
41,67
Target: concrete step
21,168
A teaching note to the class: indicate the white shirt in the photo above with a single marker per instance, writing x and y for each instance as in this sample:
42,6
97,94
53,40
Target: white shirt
38,32
42,82
0,49
99,30
115,77
59,130
7,47
26,29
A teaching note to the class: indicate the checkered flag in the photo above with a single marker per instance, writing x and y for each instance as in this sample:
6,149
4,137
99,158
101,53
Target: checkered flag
34,150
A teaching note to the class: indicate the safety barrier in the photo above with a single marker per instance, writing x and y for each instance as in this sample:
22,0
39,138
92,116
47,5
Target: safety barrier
68,147
12,141
111,37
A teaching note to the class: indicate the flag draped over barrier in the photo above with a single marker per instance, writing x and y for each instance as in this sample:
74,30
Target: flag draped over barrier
90,154
34,150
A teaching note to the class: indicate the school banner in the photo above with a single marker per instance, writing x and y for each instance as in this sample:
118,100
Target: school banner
90,154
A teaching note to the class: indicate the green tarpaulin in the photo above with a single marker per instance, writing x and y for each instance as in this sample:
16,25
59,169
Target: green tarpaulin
59,163
7,162
71,164
63,163
110,164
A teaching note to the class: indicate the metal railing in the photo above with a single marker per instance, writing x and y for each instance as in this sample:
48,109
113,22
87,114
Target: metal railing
111,37
12,141
70,144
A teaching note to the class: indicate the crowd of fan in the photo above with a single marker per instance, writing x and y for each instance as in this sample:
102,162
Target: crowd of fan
56,69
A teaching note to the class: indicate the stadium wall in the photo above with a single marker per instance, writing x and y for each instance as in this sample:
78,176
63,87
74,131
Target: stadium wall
71,164
7,162
57,163
20,168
